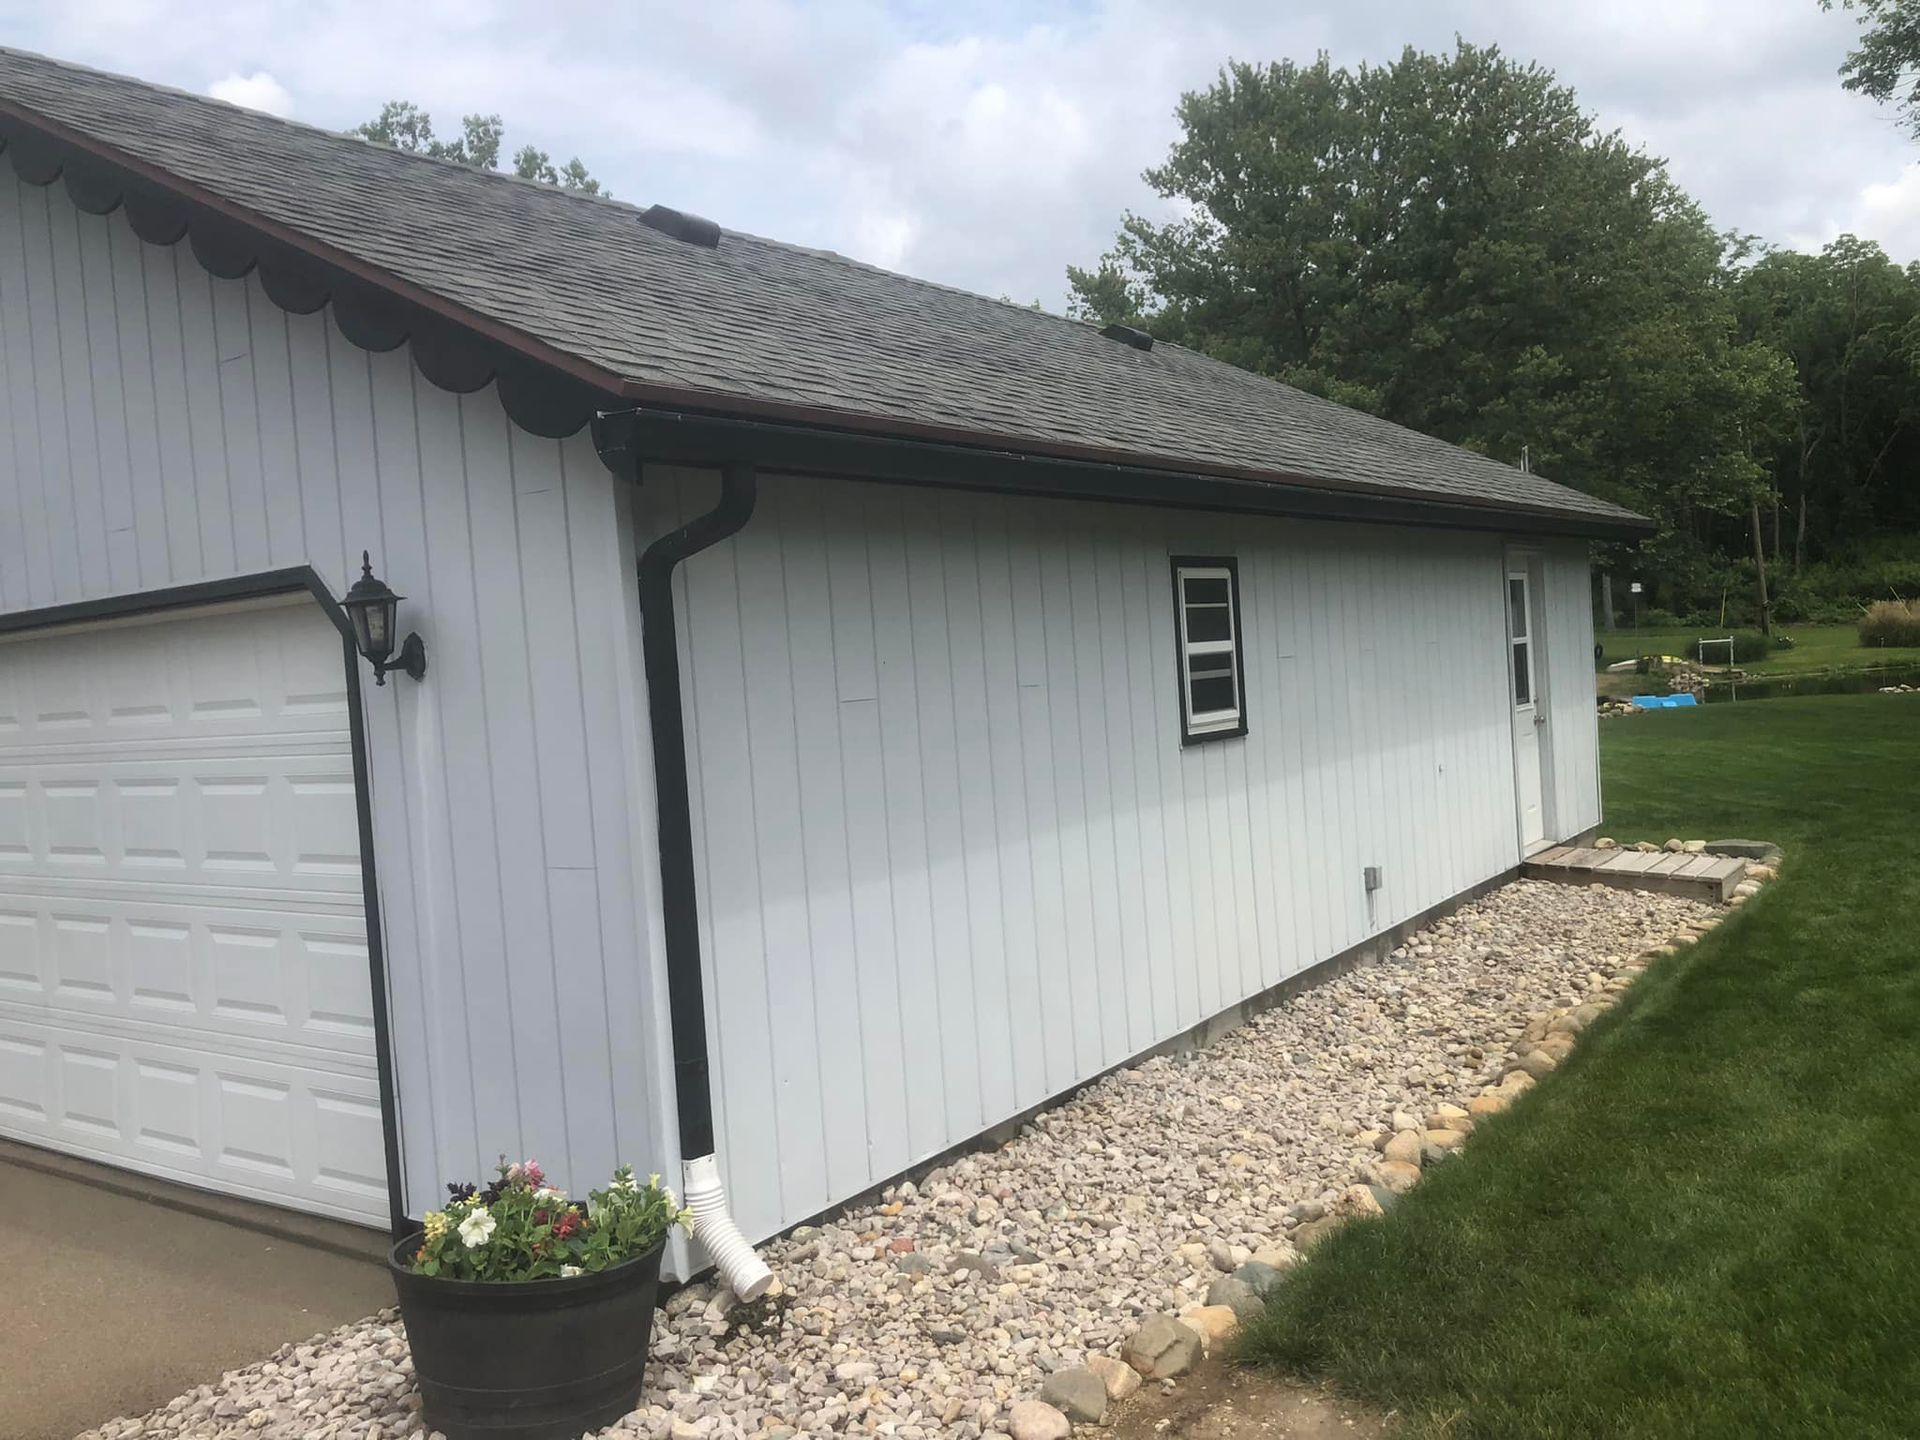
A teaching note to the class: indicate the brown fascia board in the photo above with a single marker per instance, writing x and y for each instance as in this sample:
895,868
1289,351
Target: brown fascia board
728,403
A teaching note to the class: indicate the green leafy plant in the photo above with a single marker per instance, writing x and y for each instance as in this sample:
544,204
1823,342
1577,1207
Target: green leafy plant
521,1228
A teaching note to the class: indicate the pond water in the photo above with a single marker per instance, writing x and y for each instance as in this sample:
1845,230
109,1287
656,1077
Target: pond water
1857,682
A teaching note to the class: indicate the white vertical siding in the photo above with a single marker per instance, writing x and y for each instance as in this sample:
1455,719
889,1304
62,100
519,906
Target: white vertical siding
158,427
1572,722
952,855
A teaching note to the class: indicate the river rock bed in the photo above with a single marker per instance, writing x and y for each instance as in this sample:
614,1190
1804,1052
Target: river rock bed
933,1311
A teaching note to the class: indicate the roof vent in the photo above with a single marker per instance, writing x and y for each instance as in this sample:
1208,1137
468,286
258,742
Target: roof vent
690,229
1127,335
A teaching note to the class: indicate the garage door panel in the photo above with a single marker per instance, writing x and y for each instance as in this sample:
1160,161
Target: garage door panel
20,967
257,819
26,1078
347,1134
163,677
247,1124
184,969
290,978
15,832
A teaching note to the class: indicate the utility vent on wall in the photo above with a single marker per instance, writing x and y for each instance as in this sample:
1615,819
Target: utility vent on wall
691,229
1127,335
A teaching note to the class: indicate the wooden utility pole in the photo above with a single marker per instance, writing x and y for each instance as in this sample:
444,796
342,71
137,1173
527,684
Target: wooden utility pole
1606,599
1760,568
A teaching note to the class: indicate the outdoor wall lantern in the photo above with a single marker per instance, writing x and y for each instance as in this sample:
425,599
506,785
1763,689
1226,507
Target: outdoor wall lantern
375,610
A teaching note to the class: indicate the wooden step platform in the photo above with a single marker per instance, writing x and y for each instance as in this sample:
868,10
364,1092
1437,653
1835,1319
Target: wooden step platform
1704,876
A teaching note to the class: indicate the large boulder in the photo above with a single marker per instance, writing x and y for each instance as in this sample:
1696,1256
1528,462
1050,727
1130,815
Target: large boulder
1404,1147
1120,1378
1398,1176
1236,1295
1314,1231
1079,1394
1037,1420
1163,1348
1262,1277
1537,1064
1215,1324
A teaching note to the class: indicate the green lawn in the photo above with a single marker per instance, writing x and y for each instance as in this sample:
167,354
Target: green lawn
1815,647
1706,1223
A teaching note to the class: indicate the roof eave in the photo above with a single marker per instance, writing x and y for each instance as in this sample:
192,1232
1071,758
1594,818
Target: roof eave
377,277
664,434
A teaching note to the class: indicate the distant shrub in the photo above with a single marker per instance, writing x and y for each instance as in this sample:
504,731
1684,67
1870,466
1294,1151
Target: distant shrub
1658,620
1891,622
1748,646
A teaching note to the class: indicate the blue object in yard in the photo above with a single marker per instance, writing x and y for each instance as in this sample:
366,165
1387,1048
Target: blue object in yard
1664,702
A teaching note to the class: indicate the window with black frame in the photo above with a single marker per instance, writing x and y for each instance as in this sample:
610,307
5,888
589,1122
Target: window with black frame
1206,602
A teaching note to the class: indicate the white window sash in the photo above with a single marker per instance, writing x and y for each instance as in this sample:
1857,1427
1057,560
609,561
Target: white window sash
1524,640
1208,722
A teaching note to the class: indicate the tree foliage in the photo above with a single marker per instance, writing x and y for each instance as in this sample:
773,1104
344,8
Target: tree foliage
1448,241
1848,320
405,126
1886,63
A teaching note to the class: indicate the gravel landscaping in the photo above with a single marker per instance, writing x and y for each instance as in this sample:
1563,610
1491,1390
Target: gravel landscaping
940,1309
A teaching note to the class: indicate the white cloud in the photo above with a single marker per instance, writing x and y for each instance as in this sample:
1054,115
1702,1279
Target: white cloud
258,91
1886,211
1890,213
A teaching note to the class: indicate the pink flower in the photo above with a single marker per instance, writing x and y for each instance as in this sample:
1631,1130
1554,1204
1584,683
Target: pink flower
531,1172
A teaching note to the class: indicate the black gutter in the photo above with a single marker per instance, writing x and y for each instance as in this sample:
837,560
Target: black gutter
683,437
660,656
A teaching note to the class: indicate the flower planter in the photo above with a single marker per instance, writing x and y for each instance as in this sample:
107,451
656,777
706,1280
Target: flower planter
527,1359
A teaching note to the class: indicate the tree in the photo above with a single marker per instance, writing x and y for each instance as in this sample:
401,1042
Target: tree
1448,241
1885,65
1848,319
405,126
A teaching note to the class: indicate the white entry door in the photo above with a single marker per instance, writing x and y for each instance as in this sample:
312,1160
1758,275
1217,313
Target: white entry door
184,987
1529,716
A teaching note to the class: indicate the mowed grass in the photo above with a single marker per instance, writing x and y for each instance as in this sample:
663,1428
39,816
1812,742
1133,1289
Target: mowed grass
1708,1222
1815,647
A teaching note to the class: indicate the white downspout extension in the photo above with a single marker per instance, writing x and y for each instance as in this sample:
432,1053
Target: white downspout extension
745,1273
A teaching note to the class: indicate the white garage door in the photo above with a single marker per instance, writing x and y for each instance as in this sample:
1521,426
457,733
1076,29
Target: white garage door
183,950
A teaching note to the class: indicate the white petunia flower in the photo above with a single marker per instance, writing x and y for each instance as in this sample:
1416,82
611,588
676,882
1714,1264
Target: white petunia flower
477,1228
567,1272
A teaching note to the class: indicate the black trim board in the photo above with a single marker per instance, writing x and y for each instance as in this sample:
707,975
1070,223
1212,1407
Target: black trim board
175,597
681,437
289,581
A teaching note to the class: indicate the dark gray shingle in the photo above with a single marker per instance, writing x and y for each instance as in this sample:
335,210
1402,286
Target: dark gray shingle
758,320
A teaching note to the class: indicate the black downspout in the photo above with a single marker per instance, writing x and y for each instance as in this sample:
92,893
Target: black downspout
660,655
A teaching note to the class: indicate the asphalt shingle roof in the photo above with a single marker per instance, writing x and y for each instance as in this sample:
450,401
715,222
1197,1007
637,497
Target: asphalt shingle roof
757,321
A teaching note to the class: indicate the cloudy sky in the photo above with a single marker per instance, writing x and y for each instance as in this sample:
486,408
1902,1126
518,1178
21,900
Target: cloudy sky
991,144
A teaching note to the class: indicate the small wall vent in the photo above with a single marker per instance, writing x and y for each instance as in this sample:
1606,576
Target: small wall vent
690,229
1127,335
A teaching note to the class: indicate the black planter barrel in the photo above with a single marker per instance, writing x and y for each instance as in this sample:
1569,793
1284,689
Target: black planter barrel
527,1359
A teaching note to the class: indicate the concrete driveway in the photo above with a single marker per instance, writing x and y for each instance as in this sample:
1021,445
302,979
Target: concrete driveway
112,1303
